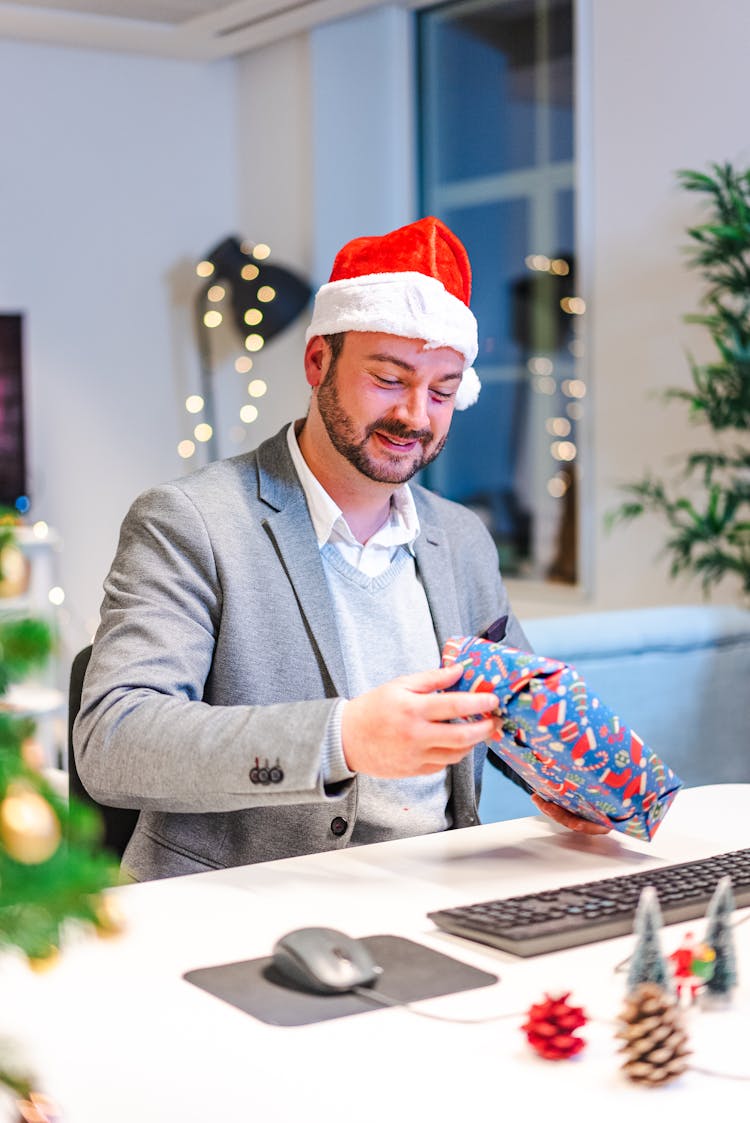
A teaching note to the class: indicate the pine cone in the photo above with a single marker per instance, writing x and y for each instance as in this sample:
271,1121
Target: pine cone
550,1026
654,1036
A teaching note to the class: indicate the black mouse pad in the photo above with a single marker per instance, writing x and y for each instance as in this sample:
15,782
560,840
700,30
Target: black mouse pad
411,972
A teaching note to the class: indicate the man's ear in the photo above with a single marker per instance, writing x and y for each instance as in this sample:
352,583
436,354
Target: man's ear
317,360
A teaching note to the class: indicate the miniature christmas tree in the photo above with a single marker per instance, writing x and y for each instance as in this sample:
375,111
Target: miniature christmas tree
647,963
52,867
719,936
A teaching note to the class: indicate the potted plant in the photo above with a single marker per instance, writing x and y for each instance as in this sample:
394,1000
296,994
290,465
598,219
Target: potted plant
707,508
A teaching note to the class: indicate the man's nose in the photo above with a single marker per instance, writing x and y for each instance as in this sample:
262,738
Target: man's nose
412,408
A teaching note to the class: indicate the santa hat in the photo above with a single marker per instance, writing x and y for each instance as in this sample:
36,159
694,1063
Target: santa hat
414,282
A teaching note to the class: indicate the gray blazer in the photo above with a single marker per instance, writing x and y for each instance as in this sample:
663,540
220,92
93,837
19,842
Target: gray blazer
217,652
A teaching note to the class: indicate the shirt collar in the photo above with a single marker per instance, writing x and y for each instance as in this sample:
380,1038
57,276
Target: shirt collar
401,527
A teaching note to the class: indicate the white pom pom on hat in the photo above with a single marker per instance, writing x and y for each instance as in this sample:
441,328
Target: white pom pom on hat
414,282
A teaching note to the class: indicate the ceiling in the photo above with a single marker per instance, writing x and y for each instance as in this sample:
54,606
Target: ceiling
189,29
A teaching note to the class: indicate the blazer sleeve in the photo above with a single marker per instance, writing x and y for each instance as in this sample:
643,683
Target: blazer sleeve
144,737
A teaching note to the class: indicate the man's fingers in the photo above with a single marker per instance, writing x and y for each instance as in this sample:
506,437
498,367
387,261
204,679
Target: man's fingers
459,704
566,818
425,682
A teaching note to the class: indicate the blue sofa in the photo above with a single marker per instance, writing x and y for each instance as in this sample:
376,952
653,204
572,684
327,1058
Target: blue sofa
679,676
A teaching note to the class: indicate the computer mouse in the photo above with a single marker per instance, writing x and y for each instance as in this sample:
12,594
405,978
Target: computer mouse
324,961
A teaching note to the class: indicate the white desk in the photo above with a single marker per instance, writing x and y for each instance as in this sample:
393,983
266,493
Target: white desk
119,1037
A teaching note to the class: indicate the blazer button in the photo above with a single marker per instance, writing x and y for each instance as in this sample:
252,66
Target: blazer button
339,826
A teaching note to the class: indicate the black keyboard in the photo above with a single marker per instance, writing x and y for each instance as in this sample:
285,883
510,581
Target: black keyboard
595,910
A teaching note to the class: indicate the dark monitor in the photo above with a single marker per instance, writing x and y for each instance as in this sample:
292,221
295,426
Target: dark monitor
13,489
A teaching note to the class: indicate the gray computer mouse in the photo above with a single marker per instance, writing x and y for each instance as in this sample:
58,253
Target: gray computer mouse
324,961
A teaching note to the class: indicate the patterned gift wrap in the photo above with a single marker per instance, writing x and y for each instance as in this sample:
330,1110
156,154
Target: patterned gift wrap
563,741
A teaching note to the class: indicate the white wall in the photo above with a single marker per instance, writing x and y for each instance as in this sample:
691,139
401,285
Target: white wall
274,144
326,152
116,173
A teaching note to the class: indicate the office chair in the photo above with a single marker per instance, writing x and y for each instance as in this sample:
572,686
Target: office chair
119,822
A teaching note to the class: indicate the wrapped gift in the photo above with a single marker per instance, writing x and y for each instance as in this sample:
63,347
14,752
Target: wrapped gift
563,741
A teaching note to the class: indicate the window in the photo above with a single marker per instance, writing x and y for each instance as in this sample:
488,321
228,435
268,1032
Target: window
497,161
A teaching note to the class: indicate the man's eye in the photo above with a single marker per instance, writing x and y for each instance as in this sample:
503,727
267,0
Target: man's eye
443,395
387,381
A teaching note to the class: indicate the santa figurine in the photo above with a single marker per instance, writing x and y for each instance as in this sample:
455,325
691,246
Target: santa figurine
692,965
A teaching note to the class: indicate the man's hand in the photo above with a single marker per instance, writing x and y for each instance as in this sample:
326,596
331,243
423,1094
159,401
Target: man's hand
407,728
567,818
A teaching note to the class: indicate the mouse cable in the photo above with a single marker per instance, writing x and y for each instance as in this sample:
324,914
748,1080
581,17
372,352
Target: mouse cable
386,1000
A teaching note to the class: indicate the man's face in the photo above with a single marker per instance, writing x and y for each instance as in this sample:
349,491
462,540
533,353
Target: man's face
386,403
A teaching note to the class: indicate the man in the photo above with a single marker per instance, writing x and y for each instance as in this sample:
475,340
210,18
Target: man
266,677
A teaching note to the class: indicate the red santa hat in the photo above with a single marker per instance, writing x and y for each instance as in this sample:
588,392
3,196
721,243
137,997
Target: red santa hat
414,282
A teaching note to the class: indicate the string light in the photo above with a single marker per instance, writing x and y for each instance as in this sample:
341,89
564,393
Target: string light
40,529
238,274
540,364
545,385
557,486
558,426
573,388
563,450
540,263
56,595
573,305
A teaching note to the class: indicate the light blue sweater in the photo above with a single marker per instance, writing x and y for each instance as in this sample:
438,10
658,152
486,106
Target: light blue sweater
386,630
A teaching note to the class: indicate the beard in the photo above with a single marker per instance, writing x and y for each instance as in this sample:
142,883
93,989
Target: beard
352,445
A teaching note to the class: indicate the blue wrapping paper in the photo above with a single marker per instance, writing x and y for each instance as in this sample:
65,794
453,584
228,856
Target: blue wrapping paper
563,740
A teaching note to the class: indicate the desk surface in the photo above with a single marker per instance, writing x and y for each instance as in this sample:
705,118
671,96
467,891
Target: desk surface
118,1036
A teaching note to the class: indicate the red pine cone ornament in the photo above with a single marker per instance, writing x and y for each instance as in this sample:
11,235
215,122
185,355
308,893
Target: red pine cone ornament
550,1025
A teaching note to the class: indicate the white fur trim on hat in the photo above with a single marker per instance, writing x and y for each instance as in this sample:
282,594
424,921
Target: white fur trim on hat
411,305
468,389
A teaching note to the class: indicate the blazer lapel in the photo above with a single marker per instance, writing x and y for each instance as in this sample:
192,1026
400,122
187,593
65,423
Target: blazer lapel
431,550
433,561
289,526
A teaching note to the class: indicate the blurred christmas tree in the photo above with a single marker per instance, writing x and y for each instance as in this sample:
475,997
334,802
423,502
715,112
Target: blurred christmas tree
720,937
52,866
647,963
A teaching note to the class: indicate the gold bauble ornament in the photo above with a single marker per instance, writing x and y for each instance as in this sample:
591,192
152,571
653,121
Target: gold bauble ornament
16,571
39,1109
42,963
32,753
29,829
109,919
